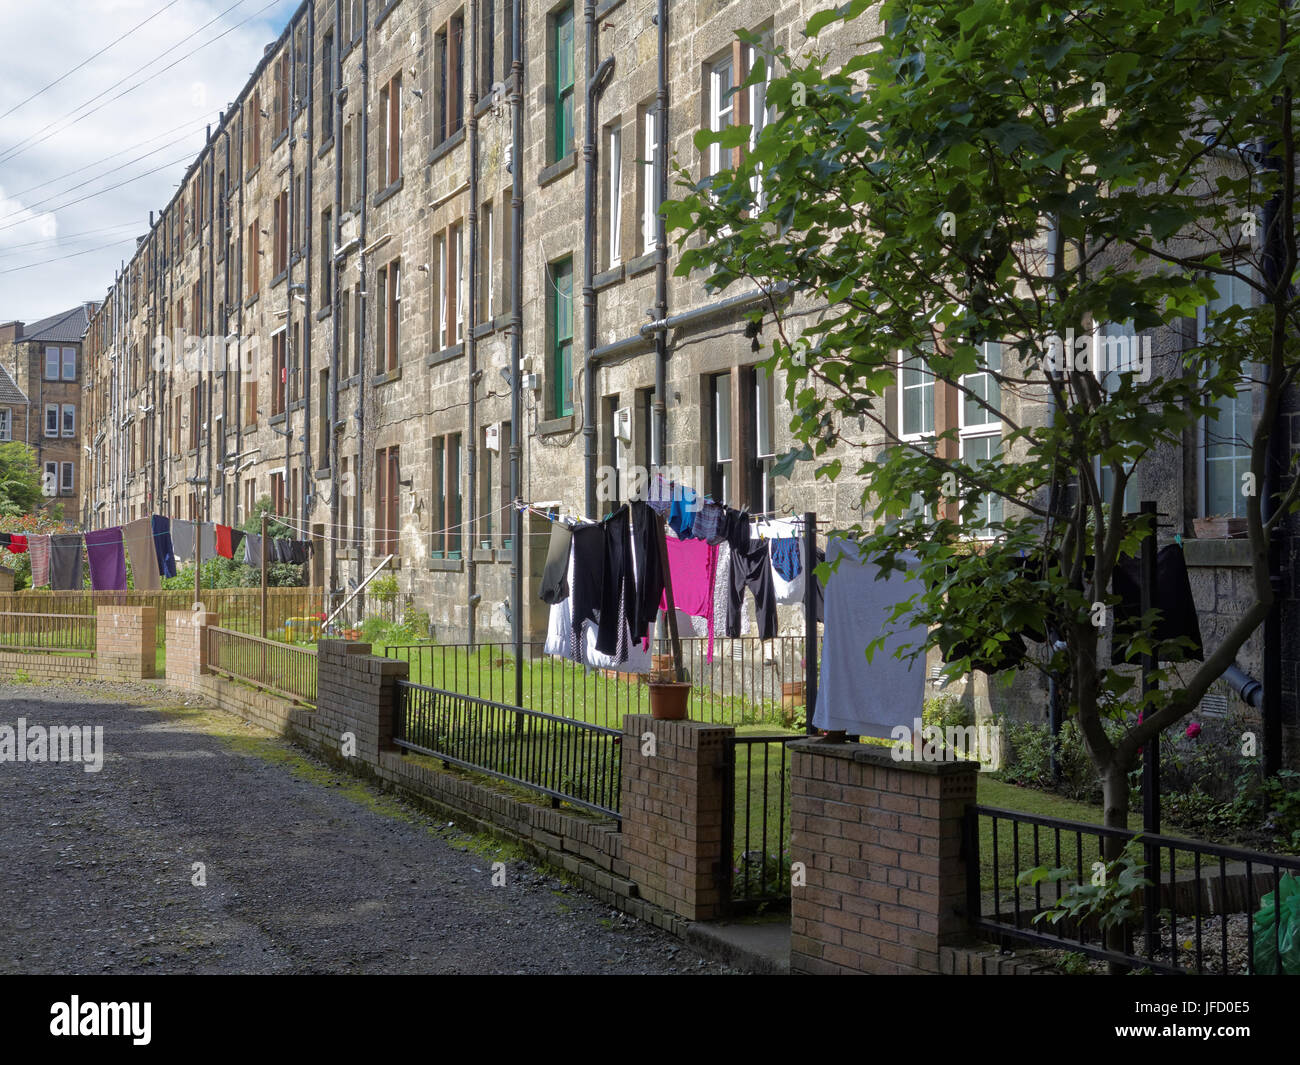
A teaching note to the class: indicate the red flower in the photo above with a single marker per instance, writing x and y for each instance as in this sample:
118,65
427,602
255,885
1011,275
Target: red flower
1193,730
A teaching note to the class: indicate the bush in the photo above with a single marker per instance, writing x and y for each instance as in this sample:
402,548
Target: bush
1030,760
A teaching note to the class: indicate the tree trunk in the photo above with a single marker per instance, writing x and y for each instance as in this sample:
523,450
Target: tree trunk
1114,790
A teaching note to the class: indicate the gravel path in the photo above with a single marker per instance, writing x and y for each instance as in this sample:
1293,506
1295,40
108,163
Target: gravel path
307,870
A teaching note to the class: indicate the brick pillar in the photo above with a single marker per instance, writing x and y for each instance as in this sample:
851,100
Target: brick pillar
672,806
187,645
881,843
125,641
355,693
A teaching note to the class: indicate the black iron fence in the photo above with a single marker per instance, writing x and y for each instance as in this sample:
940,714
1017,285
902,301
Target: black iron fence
746,681
566,759
1048,882
756,821
48,633
278,667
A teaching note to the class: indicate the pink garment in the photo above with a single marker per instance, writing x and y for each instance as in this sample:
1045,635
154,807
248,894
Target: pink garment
39,548
693,565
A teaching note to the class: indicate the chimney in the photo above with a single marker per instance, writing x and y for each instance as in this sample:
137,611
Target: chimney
11,332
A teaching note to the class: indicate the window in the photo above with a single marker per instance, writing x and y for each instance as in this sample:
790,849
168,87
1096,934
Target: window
254,259
448,263
649,191
69,364
561,65
69,419
731,105
346,494
60,364
327,86
507,242
613,197
445,539
389,295
720,467
196,416
279,371
52,364
349,193
560,275
487,289
279,499
326,256
50,480
762,491
299,216
722,110
65,479
6,423
980,428
51,419
280,236
915,399
1227,434
387,475
250,403
253,132
280,108
390,132
455,283
614,453
356,21
449,68
486,38
323,433
494,486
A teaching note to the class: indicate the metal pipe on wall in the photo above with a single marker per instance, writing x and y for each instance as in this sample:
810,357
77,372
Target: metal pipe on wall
471,344
660,436
358,496
516,338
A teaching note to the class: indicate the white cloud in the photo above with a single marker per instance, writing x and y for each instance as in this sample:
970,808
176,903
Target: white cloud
38,212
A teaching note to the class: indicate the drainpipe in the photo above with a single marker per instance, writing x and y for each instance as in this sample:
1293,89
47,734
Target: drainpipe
661,244
308,477
336,578
597,77
516,339
211,294
471,344
358,497
227,508
239,321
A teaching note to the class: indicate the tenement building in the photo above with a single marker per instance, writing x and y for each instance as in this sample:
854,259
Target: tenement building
418,271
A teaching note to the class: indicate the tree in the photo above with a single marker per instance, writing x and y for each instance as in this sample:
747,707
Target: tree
233,573
20,480
1006,172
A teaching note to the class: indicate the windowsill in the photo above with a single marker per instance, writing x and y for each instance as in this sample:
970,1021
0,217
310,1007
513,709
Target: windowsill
252,173
483,106
349,382
279,419
324,312
325,147
385,13
1216,552
484,554
612,276
501,321
482,330
280,139
605,8
448,145
445,565
251,300
558,169
297,404
322,473
437,358
562,424
279,277
386,378
248,429
387,194
641,264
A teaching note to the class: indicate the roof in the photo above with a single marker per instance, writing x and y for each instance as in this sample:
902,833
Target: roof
9,391
67,327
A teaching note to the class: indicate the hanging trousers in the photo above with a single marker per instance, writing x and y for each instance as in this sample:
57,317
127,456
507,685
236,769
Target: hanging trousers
751,568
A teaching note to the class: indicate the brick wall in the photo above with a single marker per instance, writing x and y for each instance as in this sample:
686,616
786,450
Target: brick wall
46,666
187,647
125,645
881,844
672,806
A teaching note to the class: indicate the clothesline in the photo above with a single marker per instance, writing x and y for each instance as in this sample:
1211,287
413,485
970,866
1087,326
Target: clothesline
376,532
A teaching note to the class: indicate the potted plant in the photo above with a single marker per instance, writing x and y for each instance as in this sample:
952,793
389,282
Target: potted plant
1219,527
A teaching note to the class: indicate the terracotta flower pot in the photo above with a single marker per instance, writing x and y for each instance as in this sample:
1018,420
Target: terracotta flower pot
669,700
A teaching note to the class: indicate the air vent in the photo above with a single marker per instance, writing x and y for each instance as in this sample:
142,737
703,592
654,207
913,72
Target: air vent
1214,704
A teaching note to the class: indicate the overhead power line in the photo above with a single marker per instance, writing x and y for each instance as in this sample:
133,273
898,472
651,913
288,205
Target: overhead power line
71,255
69,73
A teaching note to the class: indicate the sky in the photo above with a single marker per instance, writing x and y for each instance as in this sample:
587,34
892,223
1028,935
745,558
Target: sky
84,160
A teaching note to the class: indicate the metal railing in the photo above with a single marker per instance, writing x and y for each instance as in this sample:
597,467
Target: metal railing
48,633
565,759
749,681
1210,897
277,667
756,821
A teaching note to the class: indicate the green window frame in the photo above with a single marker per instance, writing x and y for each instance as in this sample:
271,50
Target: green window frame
562,65
562,335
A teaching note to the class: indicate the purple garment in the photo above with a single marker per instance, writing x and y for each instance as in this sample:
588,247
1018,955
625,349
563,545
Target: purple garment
104,552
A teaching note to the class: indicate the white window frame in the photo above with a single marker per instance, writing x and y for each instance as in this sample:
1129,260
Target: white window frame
614,177
488,311
51,409
69,355
55,352
439,261
1108,381
927,384
68,410
1203,459
67,475
765,425
458,279
982,431
722,106
6,423
649,180
50,479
